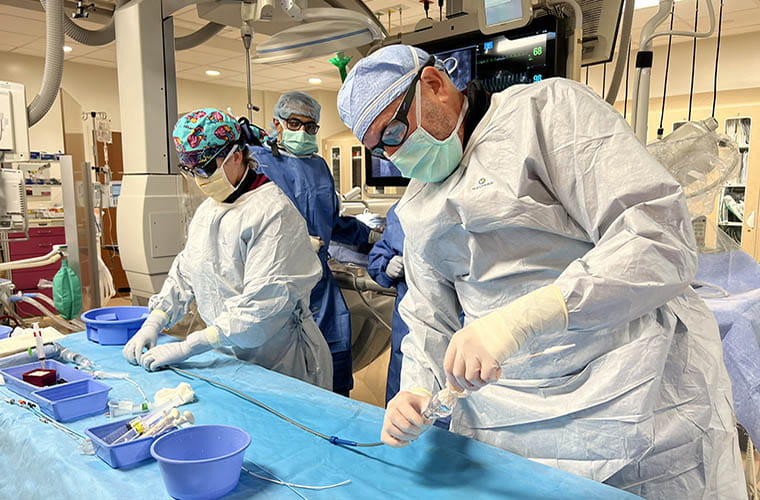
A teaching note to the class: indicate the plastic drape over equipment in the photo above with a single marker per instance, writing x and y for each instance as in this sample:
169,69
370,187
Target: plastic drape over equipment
67,292
700,159
728,278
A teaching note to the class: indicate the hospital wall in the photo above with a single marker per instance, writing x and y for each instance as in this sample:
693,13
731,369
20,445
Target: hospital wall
96,89
738,94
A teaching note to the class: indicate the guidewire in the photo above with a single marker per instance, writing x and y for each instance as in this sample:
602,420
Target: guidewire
332,439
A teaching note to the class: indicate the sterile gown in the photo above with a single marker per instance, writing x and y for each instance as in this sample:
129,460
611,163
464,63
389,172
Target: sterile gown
555,188
250,267
391,245
307,181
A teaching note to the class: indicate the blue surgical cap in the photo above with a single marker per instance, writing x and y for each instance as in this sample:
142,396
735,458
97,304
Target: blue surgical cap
297,103
375,81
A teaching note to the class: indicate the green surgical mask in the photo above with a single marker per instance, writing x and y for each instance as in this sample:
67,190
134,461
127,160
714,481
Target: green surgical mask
299,142
425,158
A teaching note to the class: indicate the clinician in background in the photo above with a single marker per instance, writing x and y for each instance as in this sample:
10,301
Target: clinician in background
248,263
291,162
386,266
538,213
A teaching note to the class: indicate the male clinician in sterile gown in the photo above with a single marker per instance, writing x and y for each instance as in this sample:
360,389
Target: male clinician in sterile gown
538,213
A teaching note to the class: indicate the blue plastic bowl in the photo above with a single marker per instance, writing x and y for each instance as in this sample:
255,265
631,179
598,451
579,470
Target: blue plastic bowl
114,325
5,331
201,462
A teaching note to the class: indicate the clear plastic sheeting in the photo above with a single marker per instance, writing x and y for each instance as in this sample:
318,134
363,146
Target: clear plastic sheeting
190,201
701,160
728,279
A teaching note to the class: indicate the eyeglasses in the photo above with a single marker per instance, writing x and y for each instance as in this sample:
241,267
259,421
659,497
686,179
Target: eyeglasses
394,133
207,169
295,124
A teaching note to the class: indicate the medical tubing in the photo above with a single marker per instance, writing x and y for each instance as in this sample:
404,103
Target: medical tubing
107,34
101,374
717,56
20,322
627,80
694,58
100,36
625,39
332,439
704,34
35,296
32,407
44,310
47,300
292,485
361,296
667,71
277,478
53,72
199,37
43,260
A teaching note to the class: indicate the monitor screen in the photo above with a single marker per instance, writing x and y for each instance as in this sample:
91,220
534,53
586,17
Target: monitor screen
380,172
503,62
460,63
525,55
502,11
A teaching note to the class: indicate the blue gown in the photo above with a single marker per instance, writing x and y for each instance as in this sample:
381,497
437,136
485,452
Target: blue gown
307,181
391,245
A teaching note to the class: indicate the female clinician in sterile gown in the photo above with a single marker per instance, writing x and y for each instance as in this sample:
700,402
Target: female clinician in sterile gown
248,263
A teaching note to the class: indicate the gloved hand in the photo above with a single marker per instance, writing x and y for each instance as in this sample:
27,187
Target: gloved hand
476,352
316,243
375,235
403,421
395,267
146,336
174,352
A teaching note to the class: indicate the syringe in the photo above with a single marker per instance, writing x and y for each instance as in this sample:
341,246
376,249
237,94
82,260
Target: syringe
442,404
76,358
40,345
137,426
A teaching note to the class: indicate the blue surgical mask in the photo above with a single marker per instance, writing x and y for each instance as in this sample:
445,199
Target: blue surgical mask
425,158
299,142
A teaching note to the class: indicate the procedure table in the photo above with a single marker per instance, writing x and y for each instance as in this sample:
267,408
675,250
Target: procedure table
39,461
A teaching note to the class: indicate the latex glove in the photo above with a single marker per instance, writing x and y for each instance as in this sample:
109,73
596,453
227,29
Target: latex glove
146,336
403,421
395,267
174,352
476,352
375,235
316,243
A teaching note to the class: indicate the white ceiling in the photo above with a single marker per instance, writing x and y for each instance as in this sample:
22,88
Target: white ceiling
22,31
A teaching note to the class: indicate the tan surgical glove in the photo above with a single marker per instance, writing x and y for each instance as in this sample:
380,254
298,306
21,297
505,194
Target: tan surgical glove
476,352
